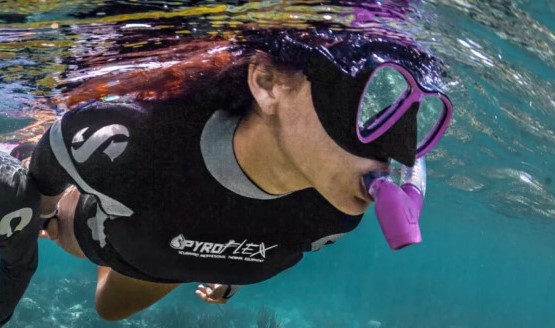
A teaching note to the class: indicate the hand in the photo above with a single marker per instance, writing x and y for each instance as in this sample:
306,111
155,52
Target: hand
212,293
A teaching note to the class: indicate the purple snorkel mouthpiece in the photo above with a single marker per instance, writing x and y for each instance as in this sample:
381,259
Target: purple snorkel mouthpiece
398,207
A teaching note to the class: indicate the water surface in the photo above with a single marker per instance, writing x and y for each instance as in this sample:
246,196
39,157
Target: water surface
487,257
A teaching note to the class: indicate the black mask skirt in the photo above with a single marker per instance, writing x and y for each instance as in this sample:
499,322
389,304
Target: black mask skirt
336,95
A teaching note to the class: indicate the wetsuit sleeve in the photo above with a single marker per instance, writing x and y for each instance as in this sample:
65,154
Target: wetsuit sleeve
49,175
325,241
19,259
19,227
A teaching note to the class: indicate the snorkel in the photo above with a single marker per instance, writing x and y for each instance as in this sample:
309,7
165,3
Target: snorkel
398,207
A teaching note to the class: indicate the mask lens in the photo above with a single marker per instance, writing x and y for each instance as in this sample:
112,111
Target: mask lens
428,117
384,90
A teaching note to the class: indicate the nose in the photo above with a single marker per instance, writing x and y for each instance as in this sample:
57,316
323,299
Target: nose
401,138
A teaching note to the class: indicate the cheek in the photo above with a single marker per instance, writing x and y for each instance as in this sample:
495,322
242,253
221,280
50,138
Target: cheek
308,123
303,136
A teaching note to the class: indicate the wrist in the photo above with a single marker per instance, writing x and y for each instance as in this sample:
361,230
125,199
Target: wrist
231,290
46,218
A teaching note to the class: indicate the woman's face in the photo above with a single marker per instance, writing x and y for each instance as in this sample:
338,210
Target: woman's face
333,172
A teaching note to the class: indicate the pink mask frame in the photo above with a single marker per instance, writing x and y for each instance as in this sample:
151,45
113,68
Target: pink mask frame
414,94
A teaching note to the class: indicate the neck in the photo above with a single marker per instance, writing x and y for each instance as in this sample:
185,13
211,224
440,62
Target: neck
263,161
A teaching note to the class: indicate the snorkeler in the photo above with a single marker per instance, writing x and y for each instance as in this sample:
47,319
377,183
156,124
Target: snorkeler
19,227
227,167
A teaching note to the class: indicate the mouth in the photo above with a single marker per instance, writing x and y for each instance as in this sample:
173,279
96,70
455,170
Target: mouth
364,194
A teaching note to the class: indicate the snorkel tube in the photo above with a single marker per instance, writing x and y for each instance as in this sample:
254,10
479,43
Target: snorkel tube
398,207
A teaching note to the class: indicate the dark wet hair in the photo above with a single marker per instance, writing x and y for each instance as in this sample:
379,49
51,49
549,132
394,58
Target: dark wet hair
350,51
212,72
206,71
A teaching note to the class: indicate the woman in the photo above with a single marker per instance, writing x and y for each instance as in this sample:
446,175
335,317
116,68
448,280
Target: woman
227,166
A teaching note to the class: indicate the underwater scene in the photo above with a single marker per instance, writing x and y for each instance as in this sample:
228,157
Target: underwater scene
487,256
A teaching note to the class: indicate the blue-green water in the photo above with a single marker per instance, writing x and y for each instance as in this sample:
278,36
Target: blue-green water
487,259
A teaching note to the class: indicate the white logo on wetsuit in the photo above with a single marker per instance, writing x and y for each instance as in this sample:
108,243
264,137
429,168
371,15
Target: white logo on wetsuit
96,224
89,146
232,250
25,214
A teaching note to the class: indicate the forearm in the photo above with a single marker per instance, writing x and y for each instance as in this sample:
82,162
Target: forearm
19,227
119,296
19,260
5,321
13,283
49,176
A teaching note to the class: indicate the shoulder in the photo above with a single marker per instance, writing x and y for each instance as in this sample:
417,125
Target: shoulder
100,121
13,178
99,134
100,109
9,167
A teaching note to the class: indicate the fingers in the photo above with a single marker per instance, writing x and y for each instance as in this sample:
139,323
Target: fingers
211,293
25,163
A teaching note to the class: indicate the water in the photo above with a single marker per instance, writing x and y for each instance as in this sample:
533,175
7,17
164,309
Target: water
487,258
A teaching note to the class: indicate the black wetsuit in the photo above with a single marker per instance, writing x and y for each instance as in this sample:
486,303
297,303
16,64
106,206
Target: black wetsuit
155,212
19,227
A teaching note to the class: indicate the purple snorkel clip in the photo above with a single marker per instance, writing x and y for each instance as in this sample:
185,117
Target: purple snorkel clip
398,207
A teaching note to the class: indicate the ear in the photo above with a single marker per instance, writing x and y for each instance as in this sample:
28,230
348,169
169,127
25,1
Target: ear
262,84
